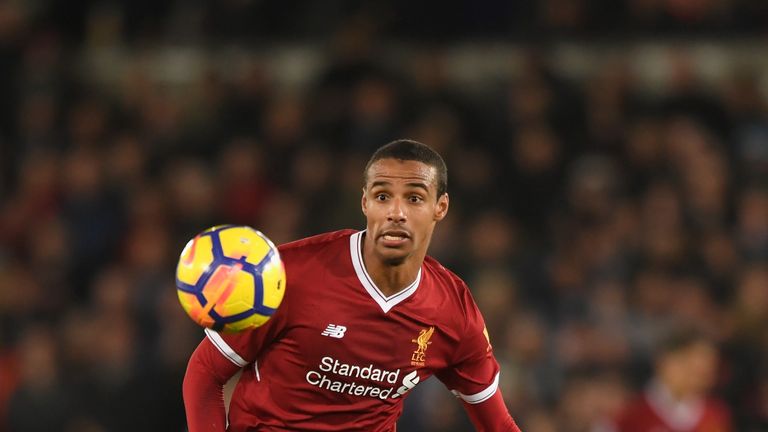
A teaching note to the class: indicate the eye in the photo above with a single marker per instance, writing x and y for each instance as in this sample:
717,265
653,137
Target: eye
381,197
415,199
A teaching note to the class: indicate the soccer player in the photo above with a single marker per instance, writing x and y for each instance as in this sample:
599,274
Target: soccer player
367,315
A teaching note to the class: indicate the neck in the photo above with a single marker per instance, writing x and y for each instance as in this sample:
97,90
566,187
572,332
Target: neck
676,392
391,278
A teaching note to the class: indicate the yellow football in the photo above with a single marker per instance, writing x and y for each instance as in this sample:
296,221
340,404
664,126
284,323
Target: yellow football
230,278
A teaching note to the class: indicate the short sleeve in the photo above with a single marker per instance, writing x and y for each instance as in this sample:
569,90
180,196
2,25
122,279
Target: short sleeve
245,347
473,375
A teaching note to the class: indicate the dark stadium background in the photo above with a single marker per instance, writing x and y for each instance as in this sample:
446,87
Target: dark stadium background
608,166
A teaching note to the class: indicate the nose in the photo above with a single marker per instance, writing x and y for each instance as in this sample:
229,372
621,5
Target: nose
396,212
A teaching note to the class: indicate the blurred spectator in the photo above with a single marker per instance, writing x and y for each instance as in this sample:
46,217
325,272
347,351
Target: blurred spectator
41,402
245,188
589,400
747,347
752,228
677,396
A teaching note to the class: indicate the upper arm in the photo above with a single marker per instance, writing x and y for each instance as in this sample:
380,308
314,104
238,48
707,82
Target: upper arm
473,374
245,347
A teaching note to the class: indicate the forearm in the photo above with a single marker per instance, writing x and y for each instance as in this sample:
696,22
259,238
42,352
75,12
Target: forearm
207,372
491,415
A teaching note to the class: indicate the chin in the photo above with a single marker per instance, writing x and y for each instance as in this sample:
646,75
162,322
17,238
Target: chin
394,259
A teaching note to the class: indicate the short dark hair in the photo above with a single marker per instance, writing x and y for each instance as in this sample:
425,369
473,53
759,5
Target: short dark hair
410,150
679,339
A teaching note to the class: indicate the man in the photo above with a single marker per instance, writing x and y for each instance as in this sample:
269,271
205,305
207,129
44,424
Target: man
677,398
365,318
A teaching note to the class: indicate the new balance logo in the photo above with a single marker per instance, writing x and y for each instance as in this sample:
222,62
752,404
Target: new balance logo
334,331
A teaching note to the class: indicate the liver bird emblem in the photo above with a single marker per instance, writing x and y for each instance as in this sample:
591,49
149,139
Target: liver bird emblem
422,342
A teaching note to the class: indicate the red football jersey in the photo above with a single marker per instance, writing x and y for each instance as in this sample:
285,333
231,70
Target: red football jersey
340,355
655,411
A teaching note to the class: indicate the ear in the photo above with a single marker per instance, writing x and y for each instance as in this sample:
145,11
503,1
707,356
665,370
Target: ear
441,210
364,202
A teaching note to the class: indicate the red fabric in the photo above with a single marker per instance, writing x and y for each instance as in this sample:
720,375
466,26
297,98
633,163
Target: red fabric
640,416
9,380
491,415
207,372
339,356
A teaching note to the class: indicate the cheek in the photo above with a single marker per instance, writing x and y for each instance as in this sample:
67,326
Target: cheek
374,214
423,223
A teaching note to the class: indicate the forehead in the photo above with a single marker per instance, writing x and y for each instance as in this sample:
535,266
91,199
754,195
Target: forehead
406,171
696,349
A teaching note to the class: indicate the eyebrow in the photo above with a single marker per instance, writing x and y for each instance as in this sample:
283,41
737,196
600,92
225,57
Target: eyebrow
419,185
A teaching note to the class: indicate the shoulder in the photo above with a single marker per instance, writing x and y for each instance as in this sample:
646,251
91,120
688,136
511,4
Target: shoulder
316,243
634,411
454,290
305,260
718,409
442,274
447,280
636,408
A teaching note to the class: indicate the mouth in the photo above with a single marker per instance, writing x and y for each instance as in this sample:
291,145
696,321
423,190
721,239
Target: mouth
394,237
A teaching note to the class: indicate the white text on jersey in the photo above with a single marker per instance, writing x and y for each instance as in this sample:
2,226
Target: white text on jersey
357,380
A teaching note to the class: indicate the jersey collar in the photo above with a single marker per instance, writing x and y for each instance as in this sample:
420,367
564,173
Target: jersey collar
384,302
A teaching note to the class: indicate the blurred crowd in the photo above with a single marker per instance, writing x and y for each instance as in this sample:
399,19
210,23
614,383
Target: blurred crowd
589,217
253,21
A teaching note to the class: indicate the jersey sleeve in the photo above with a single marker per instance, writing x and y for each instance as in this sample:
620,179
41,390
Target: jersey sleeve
473,374
491,415
245,347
